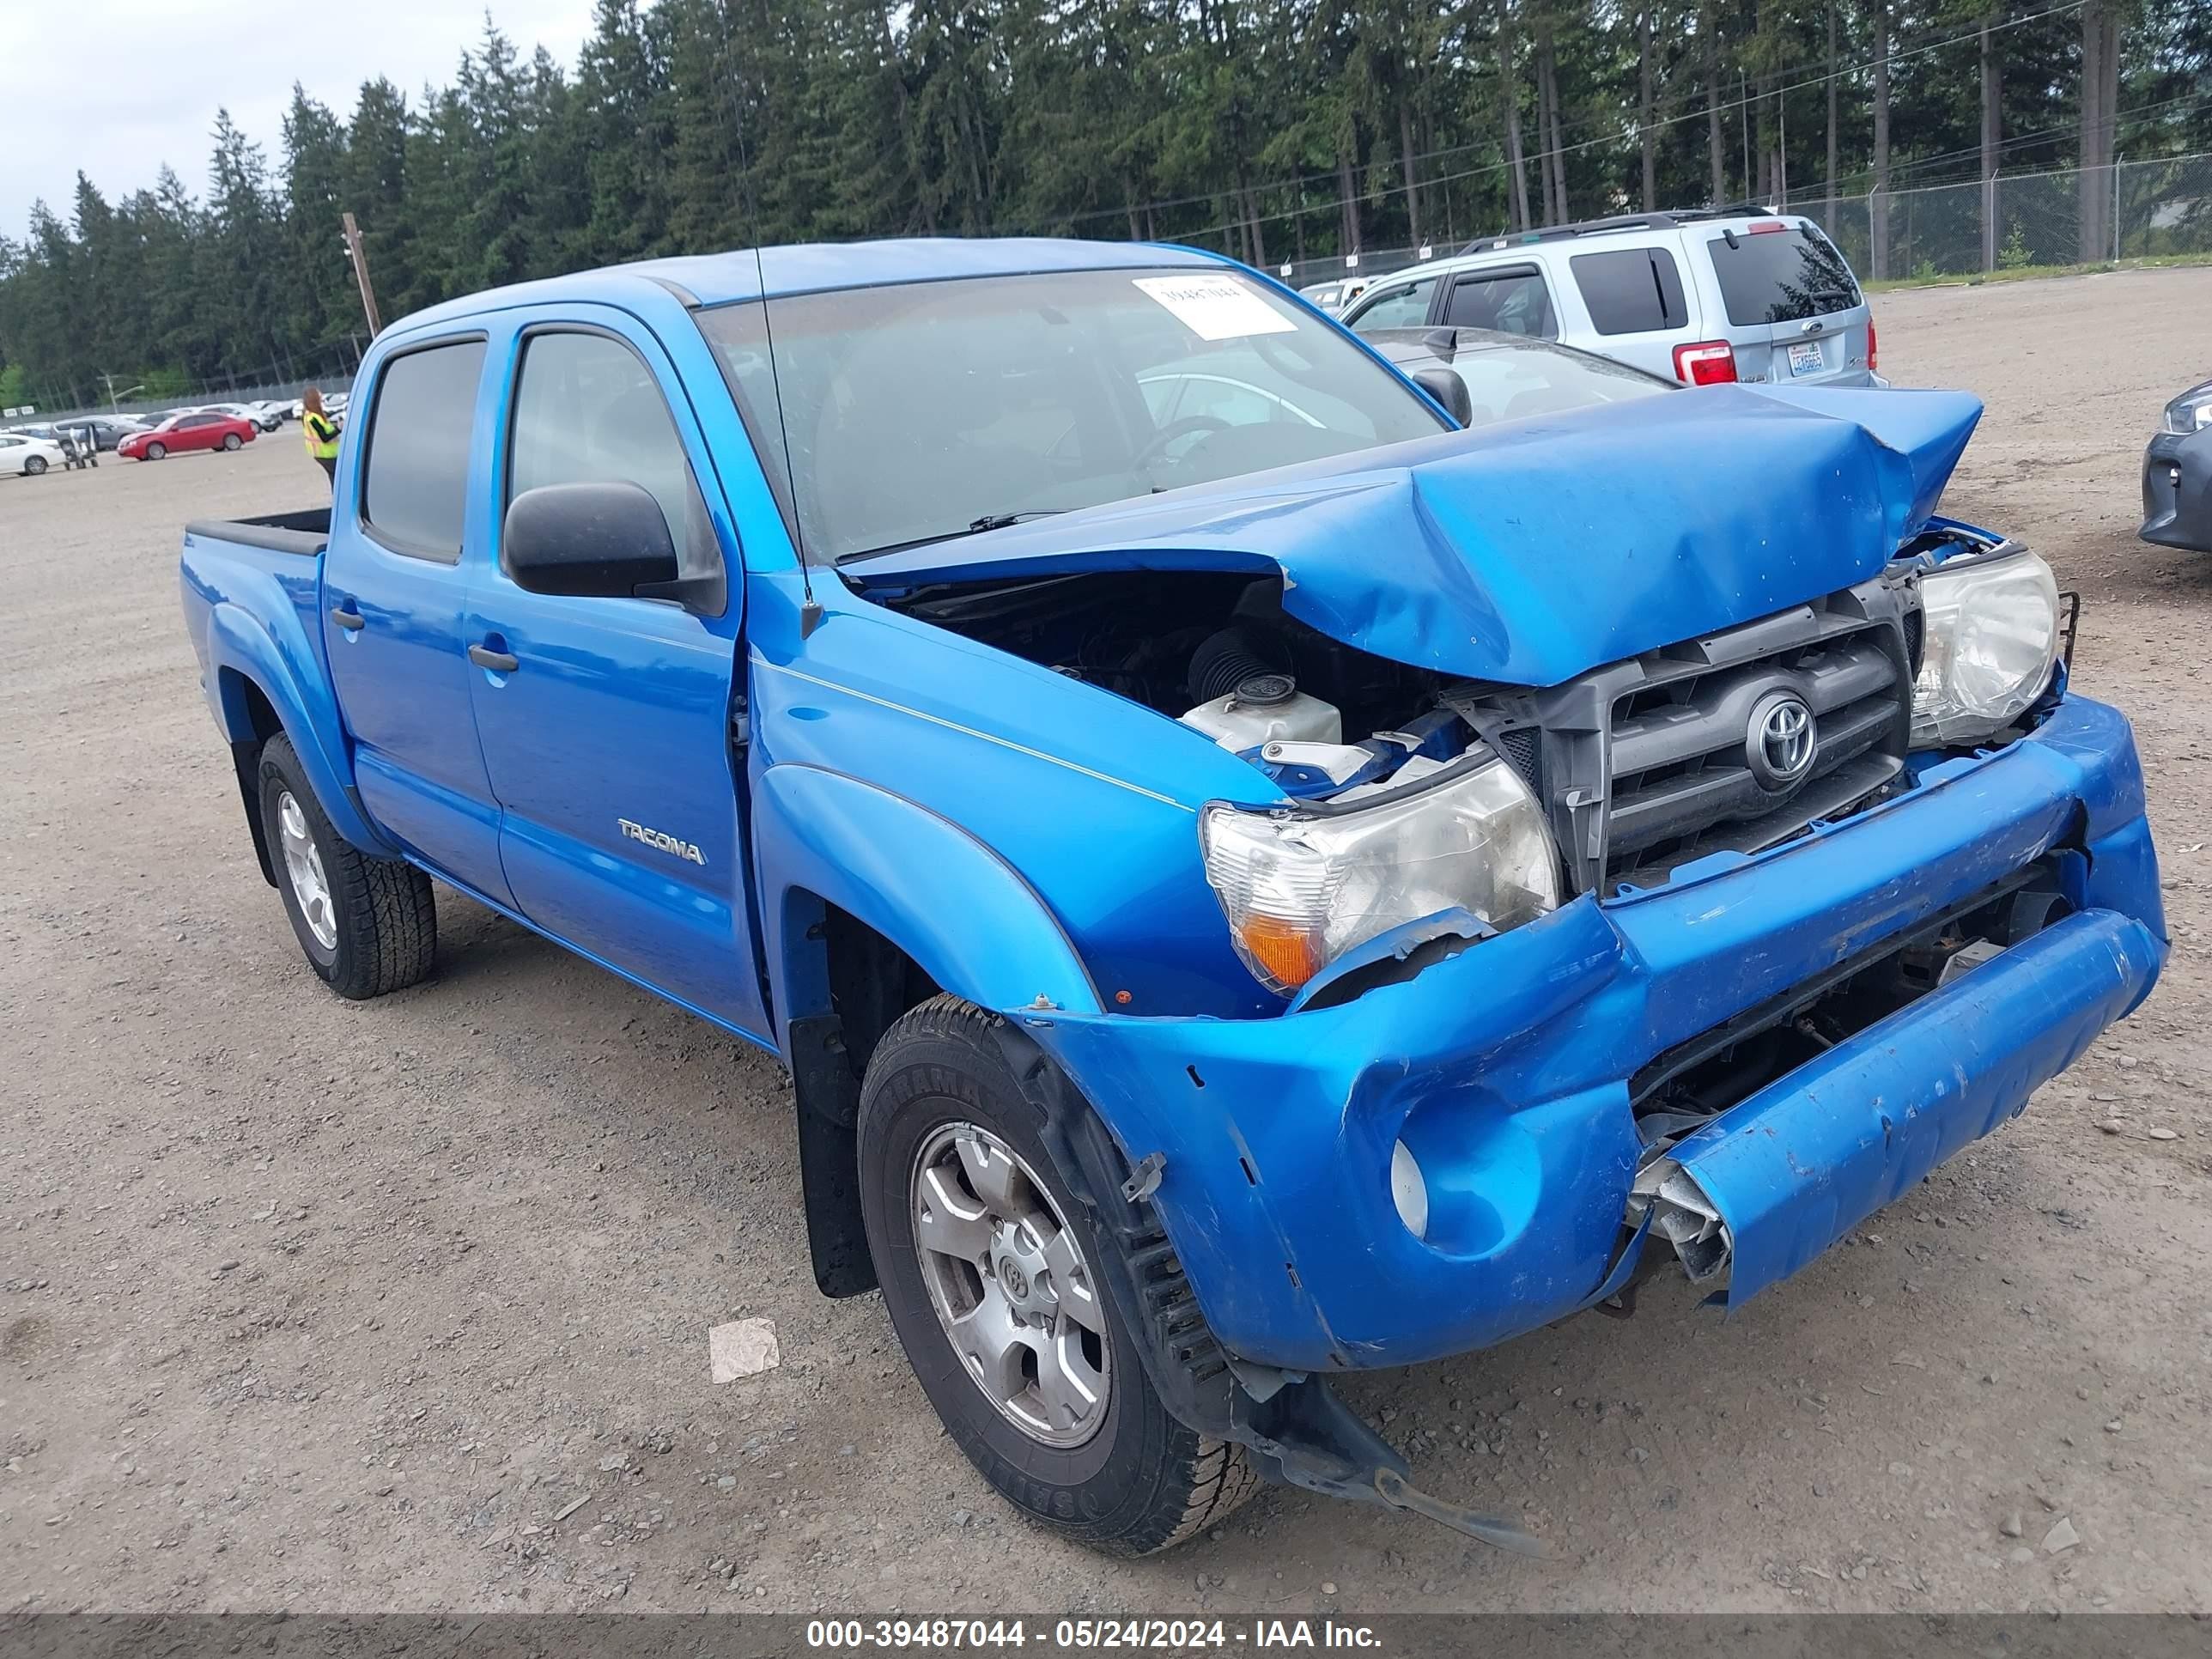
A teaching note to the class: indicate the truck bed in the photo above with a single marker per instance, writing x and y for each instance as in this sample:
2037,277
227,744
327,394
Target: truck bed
306,532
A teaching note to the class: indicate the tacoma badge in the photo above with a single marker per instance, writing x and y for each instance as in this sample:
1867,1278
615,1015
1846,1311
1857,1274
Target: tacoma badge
668,844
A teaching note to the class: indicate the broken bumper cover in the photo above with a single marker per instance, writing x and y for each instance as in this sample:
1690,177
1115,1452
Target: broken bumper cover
1505,1069
1790,1171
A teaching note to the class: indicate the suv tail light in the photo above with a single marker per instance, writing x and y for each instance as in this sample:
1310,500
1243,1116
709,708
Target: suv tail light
1872,344
1707,363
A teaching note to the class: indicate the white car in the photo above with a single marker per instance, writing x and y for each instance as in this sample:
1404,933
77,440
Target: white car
28,457
263,417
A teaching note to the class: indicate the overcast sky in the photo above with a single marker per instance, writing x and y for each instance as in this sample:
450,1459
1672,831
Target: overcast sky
116,87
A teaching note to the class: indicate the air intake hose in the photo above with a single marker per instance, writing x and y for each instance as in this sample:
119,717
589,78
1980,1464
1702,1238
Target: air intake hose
1225,660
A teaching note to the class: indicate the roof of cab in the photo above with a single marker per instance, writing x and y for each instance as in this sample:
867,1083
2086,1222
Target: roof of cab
711,279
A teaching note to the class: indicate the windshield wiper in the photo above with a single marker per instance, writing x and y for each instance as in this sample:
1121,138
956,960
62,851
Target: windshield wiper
976,527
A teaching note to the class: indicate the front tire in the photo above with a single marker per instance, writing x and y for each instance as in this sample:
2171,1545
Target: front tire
35,466
155,452
985,1262
367,925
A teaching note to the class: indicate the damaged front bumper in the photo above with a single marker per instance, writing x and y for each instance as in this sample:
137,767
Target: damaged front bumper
1767,1185
1509,1071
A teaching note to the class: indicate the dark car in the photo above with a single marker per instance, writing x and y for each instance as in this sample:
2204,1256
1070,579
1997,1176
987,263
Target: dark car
109,430
2177,483
1509,377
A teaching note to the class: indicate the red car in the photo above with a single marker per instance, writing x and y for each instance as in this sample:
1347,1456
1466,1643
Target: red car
206,430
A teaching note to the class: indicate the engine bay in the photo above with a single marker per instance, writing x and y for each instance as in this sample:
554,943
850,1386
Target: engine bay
1322,719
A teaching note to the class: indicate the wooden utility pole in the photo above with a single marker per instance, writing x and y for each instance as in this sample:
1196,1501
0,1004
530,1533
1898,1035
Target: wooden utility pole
361,275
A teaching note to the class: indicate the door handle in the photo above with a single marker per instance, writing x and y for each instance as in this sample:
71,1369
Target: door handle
499,662
345,618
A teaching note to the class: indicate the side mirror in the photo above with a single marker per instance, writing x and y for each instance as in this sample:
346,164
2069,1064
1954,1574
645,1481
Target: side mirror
596,540
1446,387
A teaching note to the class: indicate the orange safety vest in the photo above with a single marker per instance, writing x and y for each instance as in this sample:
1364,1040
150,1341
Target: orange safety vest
322,436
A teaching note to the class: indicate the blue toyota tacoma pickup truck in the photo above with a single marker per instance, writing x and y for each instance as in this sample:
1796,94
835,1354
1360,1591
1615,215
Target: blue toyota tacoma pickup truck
1251,881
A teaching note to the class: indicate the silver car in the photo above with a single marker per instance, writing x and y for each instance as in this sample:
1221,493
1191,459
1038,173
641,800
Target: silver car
1699,297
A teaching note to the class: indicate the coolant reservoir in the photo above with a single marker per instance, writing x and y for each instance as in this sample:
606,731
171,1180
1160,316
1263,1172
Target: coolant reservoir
1267,708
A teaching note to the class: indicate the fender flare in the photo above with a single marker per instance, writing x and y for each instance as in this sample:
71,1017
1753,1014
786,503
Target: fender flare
823,838
242,650
963,914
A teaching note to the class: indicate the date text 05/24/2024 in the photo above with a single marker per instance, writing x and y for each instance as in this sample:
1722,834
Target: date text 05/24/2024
1151,1634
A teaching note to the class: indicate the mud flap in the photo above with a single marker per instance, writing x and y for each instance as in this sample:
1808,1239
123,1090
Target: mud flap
1791,1170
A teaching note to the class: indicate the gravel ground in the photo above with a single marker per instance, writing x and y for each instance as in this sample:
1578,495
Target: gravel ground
312,1305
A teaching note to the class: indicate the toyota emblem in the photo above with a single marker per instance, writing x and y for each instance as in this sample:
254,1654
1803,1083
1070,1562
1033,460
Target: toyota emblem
1782,741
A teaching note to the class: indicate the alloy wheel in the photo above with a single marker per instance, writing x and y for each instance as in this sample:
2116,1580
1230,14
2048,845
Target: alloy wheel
1011,1285
303,867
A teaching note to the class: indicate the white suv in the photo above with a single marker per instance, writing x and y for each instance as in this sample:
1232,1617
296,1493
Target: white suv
1701,297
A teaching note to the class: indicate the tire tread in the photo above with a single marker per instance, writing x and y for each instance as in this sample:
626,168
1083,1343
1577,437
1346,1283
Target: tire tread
386,911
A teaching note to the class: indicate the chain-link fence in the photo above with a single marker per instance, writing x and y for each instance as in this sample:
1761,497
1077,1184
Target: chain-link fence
1364,266
332,370
2130,210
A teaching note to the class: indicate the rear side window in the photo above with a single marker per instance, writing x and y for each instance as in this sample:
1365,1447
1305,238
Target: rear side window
1514,301
415,491
1781,275
1400,307
1632,291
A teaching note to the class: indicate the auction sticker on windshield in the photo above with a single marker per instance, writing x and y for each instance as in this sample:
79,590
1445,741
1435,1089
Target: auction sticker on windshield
1216,307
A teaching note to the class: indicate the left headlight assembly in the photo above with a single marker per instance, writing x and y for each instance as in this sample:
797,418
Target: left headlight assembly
2191,412
1301,887
1992,635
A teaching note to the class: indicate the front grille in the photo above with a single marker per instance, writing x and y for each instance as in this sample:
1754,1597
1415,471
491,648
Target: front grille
1734,741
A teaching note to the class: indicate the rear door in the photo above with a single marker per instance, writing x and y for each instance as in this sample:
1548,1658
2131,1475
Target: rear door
393,591
1785,299
1513,298
608,739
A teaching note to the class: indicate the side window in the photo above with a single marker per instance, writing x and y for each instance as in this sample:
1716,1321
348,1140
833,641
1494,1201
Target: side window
1513,301
588,410
1632,291
195,420
1401,308
415,480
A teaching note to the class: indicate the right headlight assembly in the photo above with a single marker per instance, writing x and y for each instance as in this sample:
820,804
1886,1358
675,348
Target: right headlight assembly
2191,412
1300,887
1991,636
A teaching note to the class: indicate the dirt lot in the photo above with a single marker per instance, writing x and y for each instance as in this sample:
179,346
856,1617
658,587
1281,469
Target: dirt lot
316,1305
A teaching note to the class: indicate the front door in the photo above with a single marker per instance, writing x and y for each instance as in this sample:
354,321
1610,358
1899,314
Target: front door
608,740
392,592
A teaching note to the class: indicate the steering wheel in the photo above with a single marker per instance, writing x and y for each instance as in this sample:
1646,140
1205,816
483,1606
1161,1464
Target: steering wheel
1188,427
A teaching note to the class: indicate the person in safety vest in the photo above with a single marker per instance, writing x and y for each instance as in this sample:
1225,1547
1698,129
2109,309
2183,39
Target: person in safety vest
322,434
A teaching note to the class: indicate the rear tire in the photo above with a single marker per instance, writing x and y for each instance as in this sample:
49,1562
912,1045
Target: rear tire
155,452
367,925
232,441
35,466
1123,1477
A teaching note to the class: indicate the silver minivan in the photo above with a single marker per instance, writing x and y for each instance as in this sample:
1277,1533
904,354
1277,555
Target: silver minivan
1700,297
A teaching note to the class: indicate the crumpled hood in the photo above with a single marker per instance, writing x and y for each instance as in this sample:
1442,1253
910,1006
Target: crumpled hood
1530,551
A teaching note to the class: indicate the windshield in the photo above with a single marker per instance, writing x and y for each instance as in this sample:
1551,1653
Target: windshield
929,409
1781,276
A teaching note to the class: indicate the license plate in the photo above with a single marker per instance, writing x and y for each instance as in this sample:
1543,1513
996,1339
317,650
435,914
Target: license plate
1805,358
